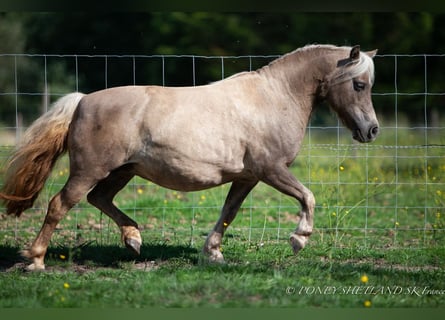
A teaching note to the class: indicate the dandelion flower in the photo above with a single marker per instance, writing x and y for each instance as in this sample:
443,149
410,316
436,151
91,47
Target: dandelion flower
364,278
342,168
367,304
62,257
66,285
140,191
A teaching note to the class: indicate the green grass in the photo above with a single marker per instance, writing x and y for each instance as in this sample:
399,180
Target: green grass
379,213
266,276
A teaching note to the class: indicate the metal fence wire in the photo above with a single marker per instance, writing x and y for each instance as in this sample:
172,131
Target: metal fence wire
387,194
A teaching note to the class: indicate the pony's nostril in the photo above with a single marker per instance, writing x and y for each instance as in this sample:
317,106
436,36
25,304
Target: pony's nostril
373,132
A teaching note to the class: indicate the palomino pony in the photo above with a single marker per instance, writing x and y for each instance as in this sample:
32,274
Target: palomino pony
244,129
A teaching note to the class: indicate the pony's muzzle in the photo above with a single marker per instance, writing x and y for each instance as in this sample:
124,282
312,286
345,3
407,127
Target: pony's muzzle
373,132
367,135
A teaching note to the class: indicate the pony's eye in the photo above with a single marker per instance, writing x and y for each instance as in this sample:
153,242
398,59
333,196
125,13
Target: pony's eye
358,86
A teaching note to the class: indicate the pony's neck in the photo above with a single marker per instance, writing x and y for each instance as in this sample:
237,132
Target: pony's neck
303,69
298,75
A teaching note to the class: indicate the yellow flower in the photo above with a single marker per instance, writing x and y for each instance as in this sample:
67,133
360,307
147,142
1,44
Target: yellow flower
203,197
63,257
140,190
397,224
342,168
66,285
334,214
367,304
364,278
225,224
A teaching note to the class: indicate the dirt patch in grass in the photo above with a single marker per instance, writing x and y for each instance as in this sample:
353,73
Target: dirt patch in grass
93,257
82,268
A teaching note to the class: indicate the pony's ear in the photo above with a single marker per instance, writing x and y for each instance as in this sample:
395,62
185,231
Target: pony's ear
371,53
355,53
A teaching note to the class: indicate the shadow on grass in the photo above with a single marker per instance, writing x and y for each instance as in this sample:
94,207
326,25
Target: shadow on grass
94,255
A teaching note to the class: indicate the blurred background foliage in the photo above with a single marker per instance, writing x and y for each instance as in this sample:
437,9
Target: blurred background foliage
209,34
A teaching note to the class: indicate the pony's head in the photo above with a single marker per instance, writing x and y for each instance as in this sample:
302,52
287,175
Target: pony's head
348,91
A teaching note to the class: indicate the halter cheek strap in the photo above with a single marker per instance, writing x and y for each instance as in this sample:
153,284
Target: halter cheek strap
324,85
344,62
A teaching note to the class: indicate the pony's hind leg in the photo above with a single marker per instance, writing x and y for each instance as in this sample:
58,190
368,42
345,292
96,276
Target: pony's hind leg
71,194
102,198
237,193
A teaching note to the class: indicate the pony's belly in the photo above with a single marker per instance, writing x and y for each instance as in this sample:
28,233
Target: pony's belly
183,176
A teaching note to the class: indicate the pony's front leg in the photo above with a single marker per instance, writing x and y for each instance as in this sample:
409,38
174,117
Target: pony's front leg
237,193
212,246
281,179
299,238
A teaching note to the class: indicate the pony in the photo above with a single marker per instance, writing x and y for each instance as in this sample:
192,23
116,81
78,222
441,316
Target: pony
244,129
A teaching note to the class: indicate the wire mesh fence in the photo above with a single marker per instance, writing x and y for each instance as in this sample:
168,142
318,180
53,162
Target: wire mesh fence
387,194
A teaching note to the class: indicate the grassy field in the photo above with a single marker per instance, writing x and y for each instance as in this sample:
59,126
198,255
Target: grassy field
378,240
176,276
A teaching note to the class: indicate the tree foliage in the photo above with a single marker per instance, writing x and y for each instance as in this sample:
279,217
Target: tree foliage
196,33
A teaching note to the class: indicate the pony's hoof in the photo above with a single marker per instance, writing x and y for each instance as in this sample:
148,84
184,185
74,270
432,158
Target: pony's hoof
37,264
215,256
133,245
298,242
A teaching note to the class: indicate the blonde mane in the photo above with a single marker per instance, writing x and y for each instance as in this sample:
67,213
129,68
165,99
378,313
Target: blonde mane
341,74
354,69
